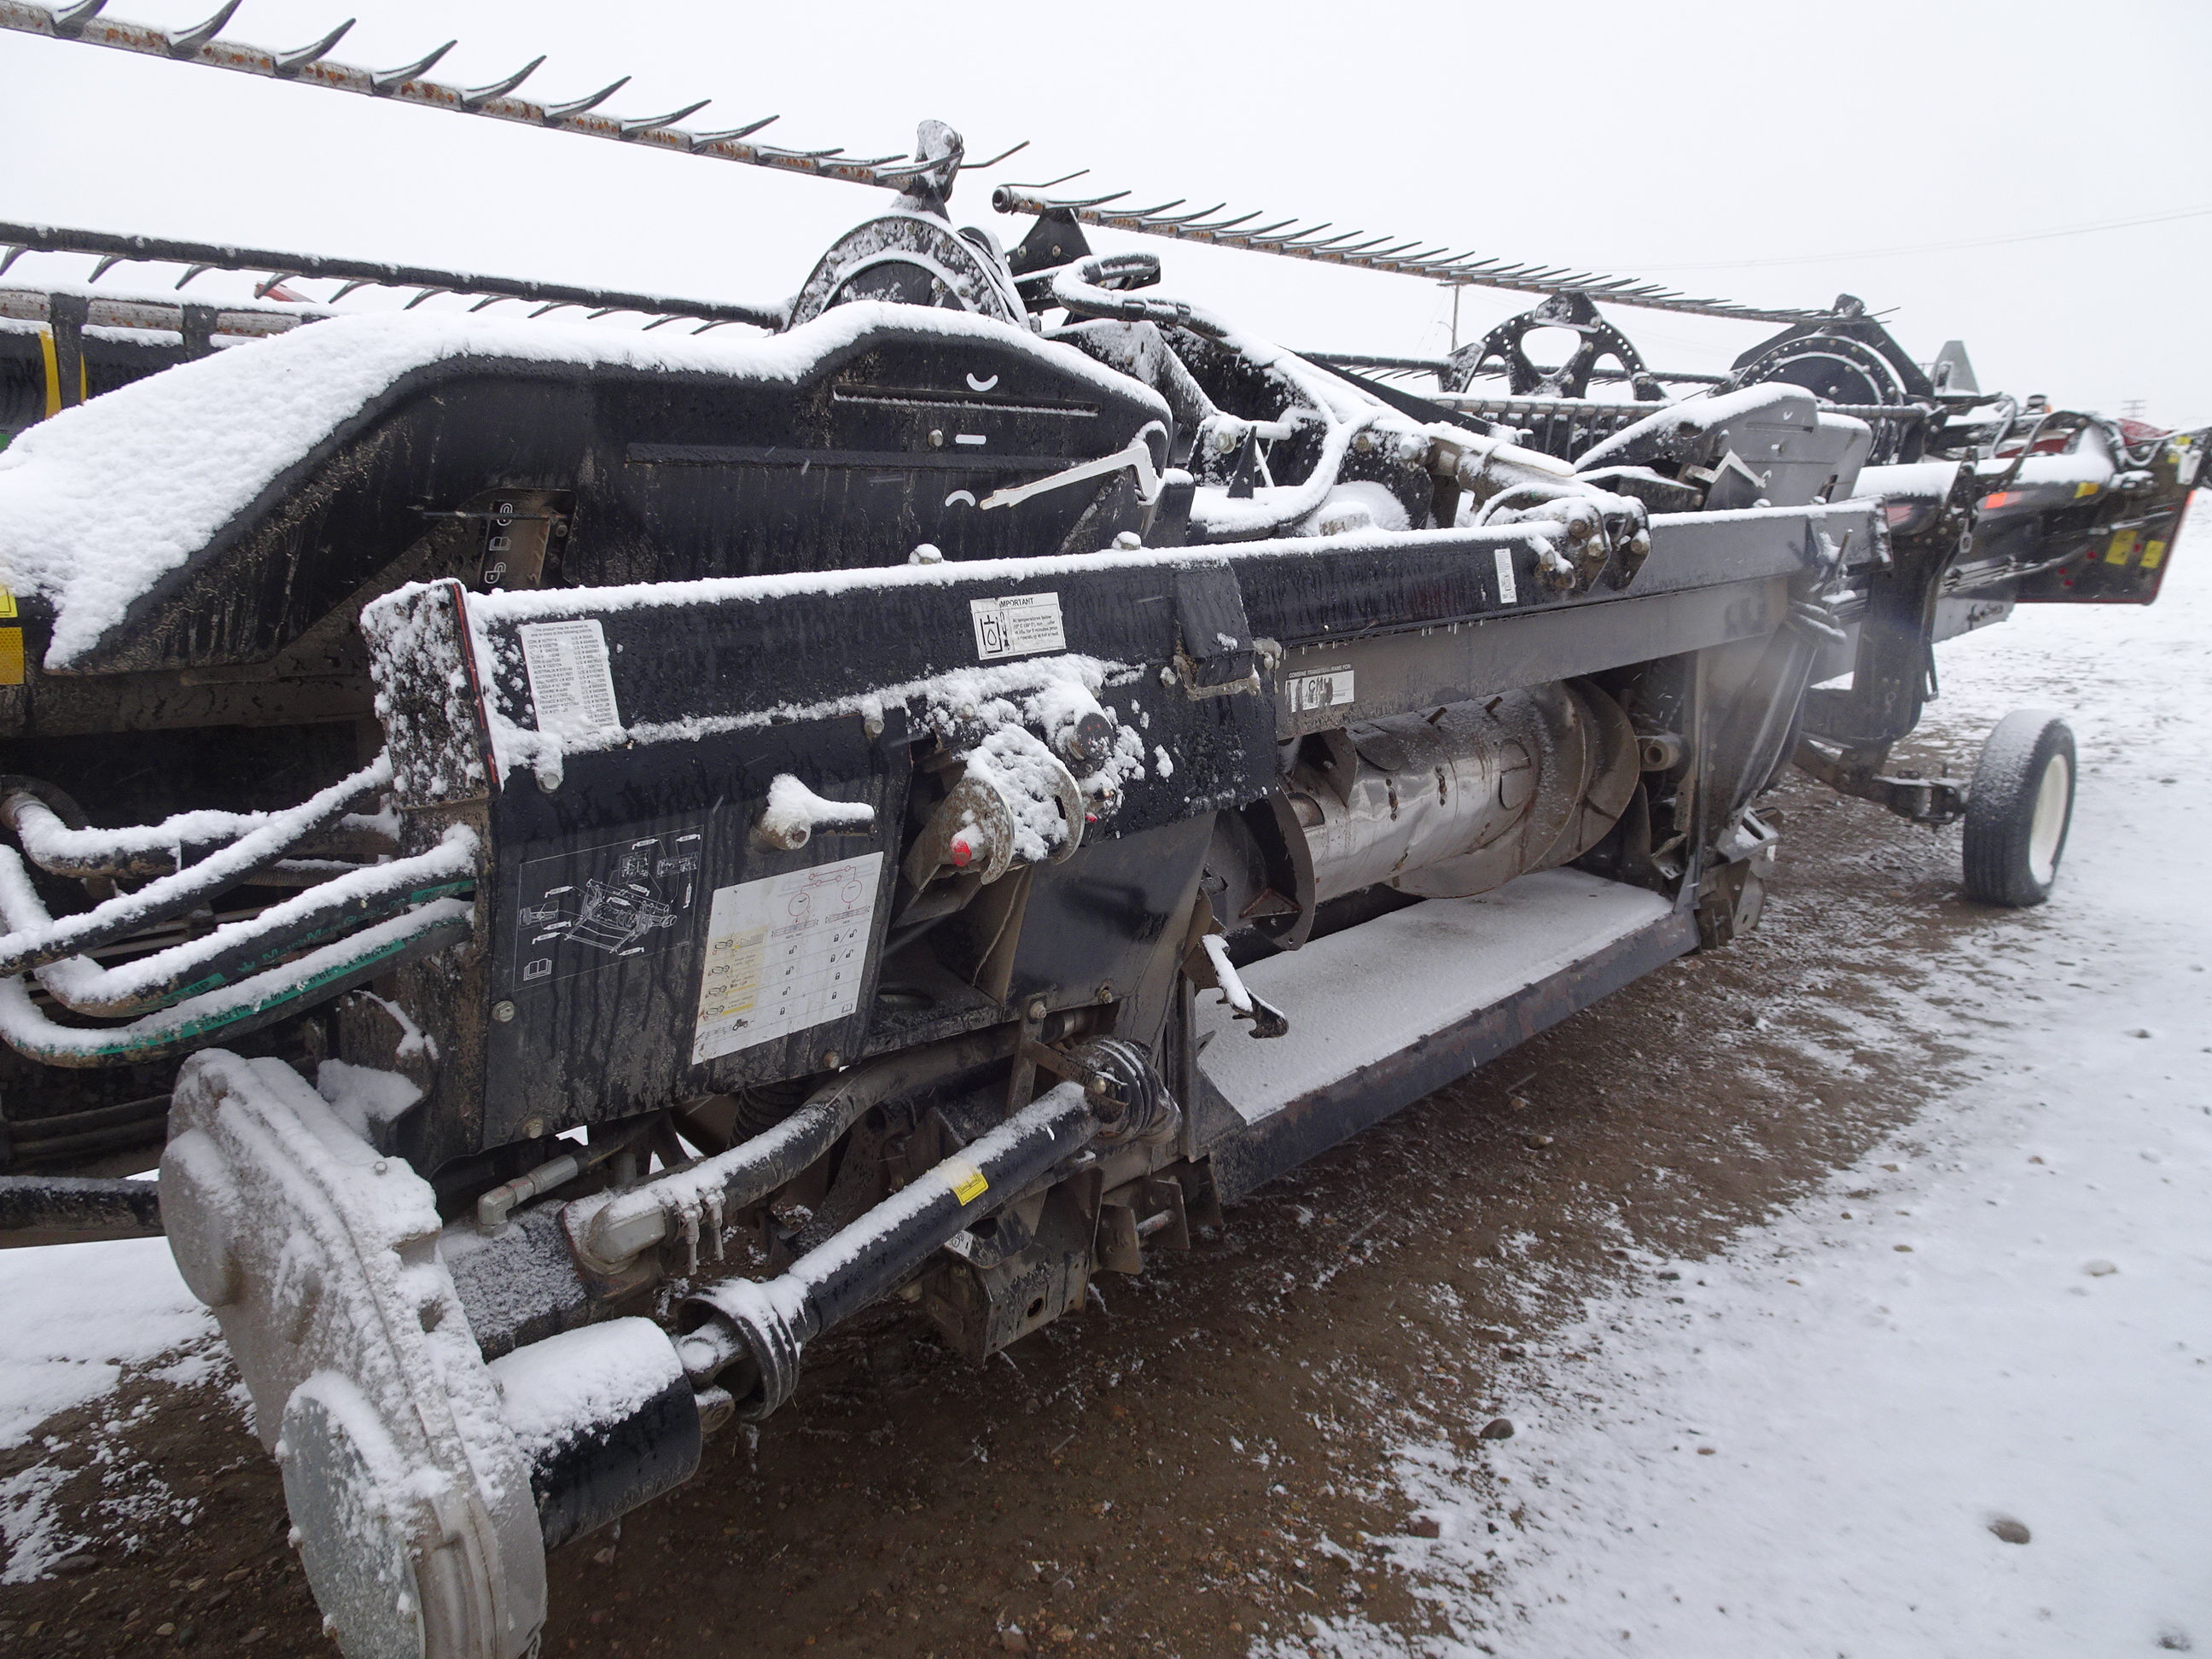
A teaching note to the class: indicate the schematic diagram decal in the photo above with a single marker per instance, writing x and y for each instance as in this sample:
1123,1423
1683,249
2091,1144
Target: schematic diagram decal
590,909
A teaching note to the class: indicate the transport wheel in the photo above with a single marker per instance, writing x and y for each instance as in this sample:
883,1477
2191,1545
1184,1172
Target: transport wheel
2019,808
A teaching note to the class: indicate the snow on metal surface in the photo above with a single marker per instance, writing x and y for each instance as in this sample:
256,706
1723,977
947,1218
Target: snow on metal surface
1362,995
553,1390
99,502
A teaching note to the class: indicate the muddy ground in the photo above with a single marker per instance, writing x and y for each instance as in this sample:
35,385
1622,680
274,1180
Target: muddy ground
1201,1457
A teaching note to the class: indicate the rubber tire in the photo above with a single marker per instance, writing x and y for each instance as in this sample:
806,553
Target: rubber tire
2007,861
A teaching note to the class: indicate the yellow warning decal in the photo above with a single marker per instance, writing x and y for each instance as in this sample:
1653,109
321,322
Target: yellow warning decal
2124,545
11,656
968,1183
7,601
2081,489
2153,555
53,373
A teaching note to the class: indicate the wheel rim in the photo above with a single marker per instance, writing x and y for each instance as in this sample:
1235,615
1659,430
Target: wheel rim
2047,828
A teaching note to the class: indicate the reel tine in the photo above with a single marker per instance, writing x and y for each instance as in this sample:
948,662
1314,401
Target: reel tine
700,141
970,167
632,129
196,270
183,43
1049,183
656,322
475,98
291,63
552,114
391,80
1095,202
1222,225
425,294
487,302
13,254
99,269
1165,223
552,305
70,19
347,288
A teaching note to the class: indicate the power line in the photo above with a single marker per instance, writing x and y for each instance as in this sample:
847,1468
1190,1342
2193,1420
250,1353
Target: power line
1924,247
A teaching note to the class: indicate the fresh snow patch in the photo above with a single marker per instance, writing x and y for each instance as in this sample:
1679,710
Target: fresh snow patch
78,1316
362,1096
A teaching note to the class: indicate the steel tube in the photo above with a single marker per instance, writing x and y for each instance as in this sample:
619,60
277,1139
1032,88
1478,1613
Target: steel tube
53,239
65,1209
763,1327
641,1217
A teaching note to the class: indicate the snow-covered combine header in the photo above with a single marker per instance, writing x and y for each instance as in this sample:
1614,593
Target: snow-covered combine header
591,855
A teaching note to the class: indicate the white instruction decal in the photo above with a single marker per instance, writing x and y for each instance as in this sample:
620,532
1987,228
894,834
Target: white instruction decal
571,686
1017,625
1323,688
1507,593
785,953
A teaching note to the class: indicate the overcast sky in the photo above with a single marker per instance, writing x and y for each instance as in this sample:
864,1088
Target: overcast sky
1775,153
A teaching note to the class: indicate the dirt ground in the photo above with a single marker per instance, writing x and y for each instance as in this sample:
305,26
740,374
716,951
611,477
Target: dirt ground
1201,1457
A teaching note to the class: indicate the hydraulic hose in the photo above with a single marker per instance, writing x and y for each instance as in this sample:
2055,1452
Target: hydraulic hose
234,1010
39,816
129,912
237,949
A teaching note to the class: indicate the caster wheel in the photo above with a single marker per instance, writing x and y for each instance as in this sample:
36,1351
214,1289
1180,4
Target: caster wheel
2018,810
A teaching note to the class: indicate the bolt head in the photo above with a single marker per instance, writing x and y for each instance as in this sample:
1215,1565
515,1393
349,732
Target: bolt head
831,1059
502,1011
1038,1008
533,1128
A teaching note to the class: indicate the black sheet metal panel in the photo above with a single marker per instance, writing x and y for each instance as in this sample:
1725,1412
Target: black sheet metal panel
678,475
1311,1124
1385,674
720,687
1092,927
604,930
687,658
1335,587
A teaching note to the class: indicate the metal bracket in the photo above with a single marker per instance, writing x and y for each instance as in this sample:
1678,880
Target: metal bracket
1931,801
